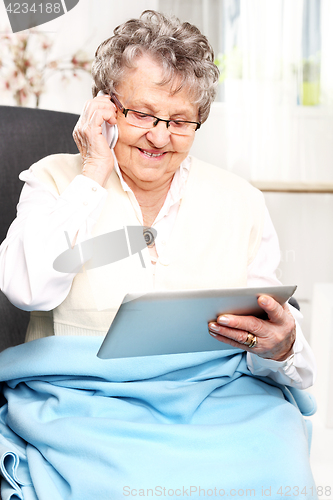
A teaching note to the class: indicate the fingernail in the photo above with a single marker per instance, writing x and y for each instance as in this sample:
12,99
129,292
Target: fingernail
264,301
223,319
214,327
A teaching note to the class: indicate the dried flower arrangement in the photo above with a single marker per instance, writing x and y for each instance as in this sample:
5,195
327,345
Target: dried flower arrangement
25,64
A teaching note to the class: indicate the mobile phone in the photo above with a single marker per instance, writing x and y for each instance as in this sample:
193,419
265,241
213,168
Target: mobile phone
110,132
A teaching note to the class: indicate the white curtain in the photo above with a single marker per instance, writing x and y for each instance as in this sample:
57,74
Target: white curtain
277,108
260,88
276,119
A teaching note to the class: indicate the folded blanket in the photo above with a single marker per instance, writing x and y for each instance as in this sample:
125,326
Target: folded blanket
187,425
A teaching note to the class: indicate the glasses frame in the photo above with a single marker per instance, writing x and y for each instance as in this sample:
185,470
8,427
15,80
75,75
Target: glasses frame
125,111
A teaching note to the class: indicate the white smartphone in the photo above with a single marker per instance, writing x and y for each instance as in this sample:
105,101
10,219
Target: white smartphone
110,132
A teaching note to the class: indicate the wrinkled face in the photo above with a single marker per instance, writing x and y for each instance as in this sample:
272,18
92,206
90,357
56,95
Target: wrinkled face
149,158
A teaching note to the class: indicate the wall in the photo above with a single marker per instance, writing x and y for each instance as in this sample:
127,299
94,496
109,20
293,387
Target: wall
303,223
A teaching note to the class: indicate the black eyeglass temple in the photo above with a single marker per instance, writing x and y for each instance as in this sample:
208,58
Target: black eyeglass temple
116,101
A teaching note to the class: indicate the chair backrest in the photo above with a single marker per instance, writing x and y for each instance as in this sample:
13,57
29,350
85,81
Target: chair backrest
26,136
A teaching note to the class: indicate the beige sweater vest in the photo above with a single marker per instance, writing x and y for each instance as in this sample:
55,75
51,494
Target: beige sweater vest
216,236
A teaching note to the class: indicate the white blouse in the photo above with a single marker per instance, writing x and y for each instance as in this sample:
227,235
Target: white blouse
32,244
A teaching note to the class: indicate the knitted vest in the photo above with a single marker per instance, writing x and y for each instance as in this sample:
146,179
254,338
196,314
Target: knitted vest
216,236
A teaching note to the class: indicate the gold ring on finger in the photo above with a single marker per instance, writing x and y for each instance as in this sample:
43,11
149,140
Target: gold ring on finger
251,340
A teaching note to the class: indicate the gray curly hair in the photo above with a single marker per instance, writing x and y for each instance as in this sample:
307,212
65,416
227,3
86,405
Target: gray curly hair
181,49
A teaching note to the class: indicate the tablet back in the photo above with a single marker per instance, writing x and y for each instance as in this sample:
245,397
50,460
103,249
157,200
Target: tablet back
171,322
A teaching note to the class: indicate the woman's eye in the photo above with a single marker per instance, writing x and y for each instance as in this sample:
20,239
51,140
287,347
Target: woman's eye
142,116
179,124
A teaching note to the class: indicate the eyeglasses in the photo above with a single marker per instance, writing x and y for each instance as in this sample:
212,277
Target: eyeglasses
144,120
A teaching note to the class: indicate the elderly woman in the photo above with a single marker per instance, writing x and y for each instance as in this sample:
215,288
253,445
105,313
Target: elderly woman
219,423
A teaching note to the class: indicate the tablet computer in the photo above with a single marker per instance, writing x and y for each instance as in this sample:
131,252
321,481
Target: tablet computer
172,322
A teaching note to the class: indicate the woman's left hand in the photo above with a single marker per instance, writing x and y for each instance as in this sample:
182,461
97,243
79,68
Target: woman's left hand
275,336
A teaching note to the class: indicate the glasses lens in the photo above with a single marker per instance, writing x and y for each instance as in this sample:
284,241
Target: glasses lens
140,119
182,128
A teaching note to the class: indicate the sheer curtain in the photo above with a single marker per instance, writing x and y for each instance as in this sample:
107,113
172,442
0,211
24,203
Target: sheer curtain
261,86
276,84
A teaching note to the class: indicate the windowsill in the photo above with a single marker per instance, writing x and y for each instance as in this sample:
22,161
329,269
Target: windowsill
293,187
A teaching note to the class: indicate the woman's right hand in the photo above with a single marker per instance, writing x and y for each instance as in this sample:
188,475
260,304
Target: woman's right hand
98,161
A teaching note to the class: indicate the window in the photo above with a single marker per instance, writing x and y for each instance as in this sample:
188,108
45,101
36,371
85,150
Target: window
277,41
274,109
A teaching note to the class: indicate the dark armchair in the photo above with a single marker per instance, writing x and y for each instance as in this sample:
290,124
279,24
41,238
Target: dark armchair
26,136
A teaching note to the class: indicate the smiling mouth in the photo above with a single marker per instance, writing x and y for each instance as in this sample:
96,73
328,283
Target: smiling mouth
151,155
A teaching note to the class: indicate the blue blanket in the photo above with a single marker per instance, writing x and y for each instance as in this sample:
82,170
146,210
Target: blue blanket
195,425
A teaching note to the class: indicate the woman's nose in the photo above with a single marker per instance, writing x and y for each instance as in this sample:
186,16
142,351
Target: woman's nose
159,135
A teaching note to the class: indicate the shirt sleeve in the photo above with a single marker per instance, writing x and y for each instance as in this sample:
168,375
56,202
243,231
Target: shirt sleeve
44,227
299,370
